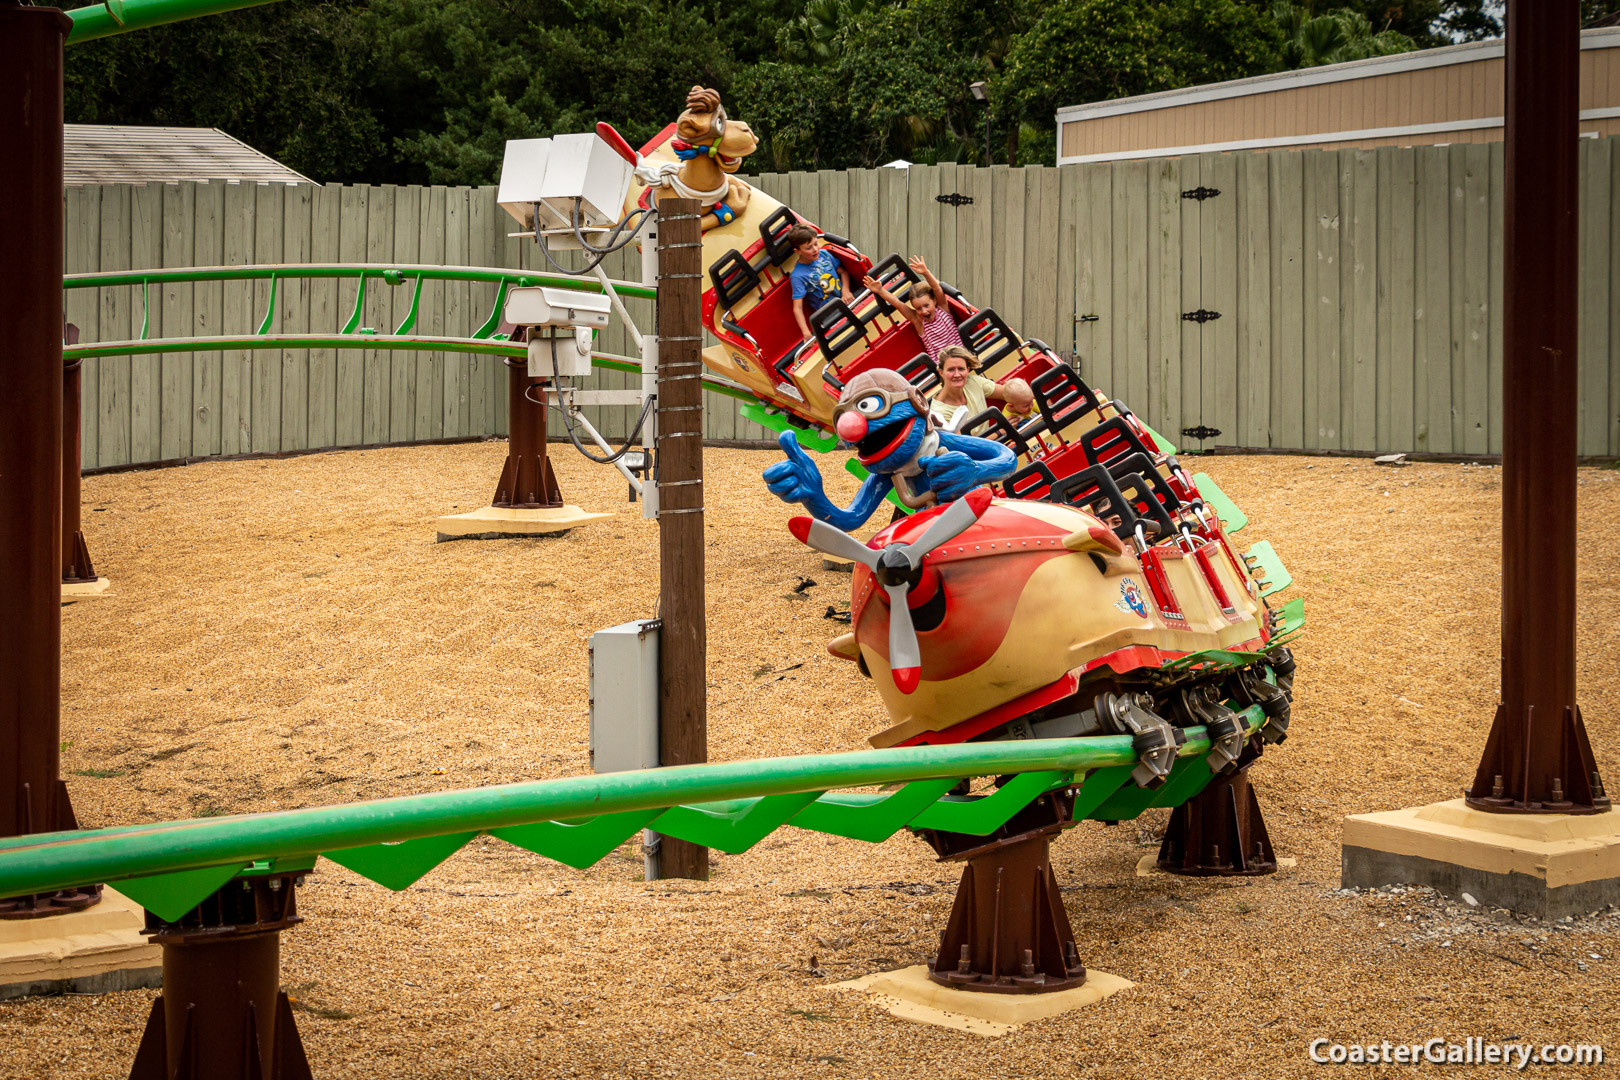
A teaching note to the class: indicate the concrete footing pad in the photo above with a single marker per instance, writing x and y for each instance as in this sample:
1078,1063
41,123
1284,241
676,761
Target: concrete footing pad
94,951
1547,865
493,522
911,995
73,591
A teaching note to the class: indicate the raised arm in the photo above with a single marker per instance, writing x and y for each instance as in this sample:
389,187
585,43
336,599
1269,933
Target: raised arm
893,301
920,267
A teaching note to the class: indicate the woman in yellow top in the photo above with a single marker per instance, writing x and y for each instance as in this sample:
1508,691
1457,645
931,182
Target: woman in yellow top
964,394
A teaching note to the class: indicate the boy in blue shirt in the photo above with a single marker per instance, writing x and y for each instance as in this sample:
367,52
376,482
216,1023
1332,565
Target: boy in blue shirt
817,278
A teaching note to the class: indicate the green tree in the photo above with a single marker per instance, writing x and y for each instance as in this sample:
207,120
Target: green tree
1081,51
1331,38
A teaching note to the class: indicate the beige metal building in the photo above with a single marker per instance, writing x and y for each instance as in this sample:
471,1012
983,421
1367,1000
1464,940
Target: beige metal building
1449,95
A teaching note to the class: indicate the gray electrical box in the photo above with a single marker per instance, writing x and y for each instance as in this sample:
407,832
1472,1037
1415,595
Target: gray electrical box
624,697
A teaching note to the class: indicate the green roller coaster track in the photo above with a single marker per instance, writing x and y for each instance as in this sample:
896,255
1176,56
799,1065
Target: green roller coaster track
484,341
169,867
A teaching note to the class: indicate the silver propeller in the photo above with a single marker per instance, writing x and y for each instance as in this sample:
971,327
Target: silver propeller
896,568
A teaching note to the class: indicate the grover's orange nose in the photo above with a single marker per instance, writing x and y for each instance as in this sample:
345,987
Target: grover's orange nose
852,427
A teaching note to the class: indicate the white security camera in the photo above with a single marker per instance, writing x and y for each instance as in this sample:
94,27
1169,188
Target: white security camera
561,325
536,305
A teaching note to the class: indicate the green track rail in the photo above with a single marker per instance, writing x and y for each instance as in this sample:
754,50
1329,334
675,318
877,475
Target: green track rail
483,342
169,867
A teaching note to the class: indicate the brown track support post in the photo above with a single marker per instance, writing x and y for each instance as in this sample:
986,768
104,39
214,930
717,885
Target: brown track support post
32,798
683,732
76,565
1537,758
527,481
1219,832
223,1015
1008,932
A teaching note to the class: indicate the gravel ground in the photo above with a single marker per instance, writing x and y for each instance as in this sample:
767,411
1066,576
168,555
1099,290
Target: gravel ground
286,633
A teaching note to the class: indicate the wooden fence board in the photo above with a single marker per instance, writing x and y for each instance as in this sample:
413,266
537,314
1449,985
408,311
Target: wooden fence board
236,382
1219,261
175,369
1286,203
1431,364
146,307
1130,236
353,246
1397,291
1595,289
1476,298
325,316
1495,440
112,421
82,206
1322,300
1190,400
1613,419
1252,315
1360,273
297,246
1163,404
208,303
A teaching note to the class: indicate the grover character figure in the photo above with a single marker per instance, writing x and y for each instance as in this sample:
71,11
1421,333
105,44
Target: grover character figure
895,438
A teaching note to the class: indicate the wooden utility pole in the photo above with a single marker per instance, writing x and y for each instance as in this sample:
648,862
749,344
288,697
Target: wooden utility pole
683,735
1537,758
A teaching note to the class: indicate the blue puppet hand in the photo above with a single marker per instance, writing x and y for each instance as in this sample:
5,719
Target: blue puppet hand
952,474
796,480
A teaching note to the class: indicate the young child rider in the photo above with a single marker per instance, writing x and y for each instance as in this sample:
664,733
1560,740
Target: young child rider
817,277
926,309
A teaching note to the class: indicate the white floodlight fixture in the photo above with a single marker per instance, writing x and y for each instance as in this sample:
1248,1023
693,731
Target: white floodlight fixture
980,92
551,176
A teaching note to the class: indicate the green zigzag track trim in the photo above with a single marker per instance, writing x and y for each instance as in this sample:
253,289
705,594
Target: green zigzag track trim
287,842
1266,566
399,866
170,896
1231,517
820,441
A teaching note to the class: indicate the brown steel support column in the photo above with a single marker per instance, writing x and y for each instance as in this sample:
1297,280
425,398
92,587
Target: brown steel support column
1537,758
526,480
223,1015
76,564
1008,932
683,733
32,799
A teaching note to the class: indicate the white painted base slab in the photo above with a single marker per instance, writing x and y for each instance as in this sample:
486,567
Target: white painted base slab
497,521
85,590
911,995
1148,865
91,951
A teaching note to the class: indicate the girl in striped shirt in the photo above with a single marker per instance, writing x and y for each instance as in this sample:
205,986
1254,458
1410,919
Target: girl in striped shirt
926,311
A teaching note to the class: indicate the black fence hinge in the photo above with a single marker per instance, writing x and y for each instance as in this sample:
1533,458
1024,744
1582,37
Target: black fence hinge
955,198
1087,318
1200,432
1200,193
1202,315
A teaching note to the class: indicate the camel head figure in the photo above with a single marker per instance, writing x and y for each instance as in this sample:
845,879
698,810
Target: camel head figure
711,147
